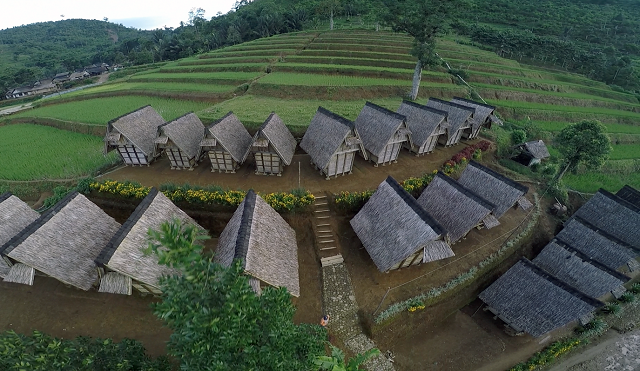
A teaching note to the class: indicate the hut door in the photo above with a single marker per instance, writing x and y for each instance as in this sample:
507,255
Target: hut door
221,161
131,155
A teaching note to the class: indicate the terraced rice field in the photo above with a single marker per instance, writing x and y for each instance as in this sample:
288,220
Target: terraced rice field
33,152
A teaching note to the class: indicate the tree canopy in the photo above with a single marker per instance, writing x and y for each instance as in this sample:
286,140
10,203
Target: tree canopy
584,143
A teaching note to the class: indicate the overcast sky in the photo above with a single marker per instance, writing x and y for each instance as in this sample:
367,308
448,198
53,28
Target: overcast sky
143,14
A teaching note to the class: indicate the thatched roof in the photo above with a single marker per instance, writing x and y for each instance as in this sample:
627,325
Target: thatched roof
324,136
422,120
459,116
376,126
531,300
630,194
492,186
578,270
537,149
279,136
20,273
123,253
482,114
63,242
15,215
455,207
596,243
392,227
140,127
186,132
613,215
232,136
115,283
264,242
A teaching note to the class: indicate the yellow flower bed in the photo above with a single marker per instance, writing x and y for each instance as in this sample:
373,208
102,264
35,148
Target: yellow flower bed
280,201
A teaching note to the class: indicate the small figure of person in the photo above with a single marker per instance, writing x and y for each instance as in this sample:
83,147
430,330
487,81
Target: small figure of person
324,321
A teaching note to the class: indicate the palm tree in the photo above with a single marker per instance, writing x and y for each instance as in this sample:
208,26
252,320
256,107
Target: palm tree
336,361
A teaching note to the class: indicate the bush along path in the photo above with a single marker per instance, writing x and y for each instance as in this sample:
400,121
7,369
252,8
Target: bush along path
339,299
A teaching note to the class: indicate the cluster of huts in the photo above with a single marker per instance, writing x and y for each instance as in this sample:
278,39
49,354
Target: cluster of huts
589,260
78,244
398,230
331,140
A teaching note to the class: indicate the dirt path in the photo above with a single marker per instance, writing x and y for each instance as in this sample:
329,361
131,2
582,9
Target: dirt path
14,109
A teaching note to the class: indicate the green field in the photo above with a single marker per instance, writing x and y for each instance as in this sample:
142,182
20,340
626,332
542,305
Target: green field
101,110
284,78
33,152
625,152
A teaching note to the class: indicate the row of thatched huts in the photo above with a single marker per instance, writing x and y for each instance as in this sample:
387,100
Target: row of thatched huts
399,231
589,259
78,244
331,140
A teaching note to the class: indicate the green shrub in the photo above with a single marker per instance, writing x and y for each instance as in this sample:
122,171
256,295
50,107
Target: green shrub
627,297
592,329
612,308
518,136
635,288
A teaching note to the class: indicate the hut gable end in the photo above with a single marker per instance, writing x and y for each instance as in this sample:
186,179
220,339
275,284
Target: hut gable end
139,127
279,136
459,116
377,126
423,121
481,114
630,194
325,135
231,135
15,215
186,133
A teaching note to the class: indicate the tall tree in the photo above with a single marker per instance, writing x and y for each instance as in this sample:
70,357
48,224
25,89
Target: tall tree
218,322
583,143
424,20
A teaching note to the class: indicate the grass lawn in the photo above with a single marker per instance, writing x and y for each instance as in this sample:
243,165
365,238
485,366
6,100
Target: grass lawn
102,110
33,152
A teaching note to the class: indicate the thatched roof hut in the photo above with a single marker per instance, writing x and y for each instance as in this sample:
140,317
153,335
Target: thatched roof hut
264,242
133,135
459,118
455,207
180,141
599,245
227,143
383,133
530,300
613,215
494,187
332,142
15,215
426,124
482,117
272,146
531,153
123,253
64,241
397,232
578,270
630,194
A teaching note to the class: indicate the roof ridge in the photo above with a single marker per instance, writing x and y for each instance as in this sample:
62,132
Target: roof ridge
415,206
560,284
335,116
619,200
474,102
425,108
466,191
244,231
267,121
177,118
5,196
107,252
586,258
386,111
126,114
36,224
603,233
220,120
503,178
456,105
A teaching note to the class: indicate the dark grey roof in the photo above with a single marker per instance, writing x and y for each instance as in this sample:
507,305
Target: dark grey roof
140,127
376,126
123,252
15,215
264,242
64,242
185,132
459,116
537,149
455,207
231,135
392,226
324,136
422,120
531,300
630,194
279,136
492,186
614,216
578,270
596,243
482,112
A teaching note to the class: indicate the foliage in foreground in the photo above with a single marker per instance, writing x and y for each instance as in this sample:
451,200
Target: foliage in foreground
336,362
40,352
218,322
548,354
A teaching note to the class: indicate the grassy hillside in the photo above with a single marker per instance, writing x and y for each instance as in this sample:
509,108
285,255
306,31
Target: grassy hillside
292,74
